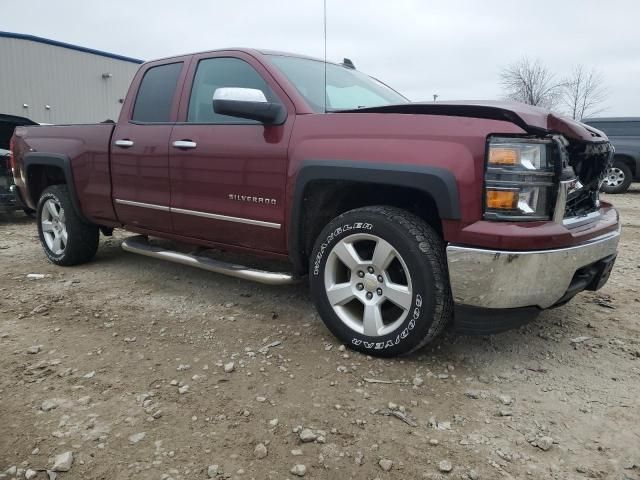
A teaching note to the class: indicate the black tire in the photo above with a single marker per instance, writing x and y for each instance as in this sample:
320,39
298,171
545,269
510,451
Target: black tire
620,168
423,253
81,238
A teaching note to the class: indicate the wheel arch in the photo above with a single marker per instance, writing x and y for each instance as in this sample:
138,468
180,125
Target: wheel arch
325,189
42,170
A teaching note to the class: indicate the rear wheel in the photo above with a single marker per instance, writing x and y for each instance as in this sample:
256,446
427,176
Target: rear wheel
379,280
618,178
65,237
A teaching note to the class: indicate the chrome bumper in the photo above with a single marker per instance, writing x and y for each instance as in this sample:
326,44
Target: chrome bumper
505,279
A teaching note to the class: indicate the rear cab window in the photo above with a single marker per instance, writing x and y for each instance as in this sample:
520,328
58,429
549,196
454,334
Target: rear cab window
156,94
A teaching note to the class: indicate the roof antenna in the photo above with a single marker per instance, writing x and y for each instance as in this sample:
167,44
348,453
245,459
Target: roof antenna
325,56
348,63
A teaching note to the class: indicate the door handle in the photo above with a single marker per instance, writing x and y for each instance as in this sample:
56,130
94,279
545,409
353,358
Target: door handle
125,143
184,144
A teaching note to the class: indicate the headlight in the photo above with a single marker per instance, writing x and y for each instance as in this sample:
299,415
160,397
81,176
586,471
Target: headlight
519,179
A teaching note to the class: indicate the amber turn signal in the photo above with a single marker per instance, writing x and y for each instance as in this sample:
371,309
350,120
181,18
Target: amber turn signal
502,199
503,156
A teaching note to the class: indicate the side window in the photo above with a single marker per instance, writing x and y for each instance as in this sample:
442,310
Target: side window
155,94
619,129
629,129
219,72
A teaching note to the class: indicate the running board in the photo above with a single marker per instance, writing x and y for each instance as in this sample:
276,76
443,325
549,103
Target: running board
141,245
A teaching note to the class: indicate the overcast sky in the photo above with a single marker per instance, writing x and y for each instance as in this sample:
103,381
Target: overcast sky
453,48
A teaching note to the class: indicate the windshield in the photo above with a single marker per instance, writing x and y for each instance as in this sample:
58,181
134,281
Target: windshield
347,89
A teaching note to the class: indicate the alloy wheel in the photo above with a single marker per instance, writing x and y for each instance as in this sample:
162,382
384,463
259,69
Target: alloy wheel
614,177
368,284
54,229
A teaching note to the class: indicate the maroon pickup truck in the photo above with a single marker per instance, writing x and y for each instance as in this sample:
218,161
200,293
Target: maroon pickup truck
403,215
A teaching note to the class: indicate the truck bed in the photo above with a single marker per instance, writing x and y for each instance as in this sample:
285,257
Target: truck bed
84,149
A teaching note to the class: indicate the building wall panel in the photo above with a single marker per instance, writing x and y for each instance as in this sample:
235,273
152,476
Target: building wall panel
70,82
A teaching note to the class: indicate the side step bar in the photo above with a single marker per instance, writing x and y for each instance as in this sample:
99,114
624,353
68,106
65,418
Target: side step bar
140,244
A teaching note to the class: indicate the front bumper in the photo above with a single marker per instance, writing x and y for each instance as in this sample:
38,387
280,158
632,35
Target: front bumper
542,278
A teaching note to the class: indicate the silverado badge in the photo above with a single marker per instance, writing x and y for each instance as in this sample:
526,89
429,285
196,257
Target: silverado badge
252,199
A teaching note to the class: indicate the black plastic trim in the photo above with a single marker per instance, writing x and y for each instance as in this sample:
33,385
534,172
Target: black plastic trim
469,320
54,160
438,182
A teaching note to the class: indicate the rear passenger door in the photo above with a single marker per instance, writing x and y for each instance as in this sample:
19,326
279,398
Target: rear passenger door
139,147
228,183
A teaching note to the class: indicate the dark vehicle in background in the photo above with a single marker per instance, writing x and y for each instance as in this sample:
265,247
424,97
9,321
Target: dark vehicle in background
8,199
624,134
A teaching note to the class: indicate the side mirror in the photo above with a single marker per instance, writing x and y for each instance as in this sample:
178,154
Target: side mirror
247,103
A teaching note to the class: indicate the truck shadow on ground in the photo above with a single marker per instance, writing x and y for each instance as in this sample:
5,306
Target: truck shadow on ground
16,218
292,305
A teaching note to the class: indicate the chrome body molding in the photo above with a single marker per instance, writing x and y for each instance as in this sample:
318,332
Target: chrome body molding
226,218
511,279
140,245
142,205
213,216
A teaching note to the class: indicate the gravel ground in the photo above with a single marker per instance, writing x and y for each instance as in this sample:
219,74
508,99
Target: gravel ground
145,369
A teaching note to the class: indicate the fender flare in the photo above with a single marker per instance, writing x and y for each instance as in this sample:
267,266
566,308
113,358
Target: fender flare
63,162
438,182
628,156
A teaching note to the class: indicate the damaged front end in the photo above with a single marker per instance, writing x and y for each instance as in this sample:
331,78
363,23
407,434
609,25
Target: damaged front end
584,164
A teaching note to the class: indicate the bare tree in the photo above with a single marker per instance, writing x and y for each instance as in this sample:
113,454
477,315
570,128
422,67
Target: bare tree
532,83
584,93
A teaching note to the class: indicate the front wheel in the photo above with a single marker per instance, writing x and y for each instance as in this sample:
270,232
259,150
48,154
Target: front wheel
66,239
379,280
617,178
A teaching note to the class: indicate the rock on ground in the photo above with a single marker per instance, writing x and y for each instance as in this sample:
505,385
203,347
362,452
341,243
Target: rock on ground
213,470
299,470
307,435
63,462
260,451
544,443
445,466
137,437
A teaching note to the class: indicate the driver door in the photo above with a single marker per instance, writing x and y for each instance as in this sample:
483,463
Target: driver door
228,174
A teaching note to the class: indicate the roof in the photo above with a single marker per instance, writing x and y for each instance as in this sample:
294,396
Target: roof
611,119
250,51
55,43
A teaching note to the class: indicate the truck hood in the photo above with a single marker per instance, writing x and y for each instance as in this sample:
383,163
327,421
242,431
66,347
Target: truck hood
534,120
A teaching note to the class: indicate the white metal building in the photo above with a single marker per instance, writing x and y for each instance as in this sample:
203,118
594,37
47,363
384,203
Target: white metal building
55,82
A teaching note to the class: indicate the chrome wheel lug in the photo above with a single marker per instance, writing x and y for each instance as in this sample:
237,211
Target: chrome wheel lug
361,274
379,292
360,286
380,279
369,295
370,269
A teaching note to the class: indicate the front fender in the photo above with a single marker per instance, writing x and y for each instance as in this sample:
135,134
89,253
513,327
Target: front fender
439,183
